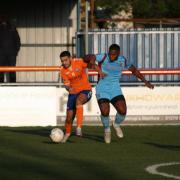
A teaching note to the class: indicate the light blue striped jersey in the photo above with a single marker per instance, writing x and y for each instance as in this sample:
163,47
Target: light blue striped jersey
109,86
112,69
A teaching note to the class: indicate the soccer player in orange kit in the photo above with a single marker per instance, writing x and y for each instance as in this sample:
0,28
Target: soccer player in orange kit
75,78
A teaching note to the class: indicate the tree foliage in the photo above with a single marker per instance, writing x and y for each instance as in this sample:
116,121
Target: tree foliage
142,8
156,8
111,7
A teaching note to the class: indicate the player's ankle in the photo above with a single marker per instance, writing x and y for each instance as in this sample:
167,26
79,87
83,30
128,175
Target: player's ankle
78,131
107,129
67,134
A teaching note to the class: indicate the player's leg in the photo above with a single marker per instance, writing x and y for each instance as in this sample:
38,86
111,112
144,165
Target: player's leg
11,60
2,63
83,97
104,106
68,124
1,77
119,103
69,121
70,114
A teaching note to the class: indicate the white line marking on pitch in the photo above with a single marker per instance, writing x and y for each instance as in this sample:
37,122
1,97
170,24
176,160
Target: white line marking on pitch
154,169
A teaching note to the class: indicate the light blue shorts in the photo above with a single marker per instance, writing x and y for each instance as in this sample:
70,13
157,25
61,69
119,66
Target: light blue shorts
109,92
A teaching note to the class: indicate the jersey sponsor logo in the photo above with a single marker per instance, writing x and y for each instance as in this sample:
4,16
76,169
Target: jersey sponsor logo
112,67
121,64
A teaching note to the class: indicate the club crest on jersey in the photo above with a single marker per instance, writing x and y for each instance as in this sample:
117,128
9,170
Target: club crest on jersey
121,64
77,70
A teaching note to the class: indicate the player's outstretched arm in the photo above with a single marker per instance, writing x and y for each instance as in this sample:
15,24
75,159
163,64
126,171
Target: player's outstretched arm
138,74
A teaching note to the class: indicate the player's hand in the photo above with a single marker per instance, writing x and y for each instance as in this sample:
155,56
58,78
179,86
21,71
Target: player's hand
149,85
89,58
102,75
67,88
71,90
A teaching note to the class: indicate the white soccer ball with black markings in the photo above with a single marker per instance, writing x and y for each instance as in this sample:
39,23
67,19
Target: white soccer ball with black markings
56,135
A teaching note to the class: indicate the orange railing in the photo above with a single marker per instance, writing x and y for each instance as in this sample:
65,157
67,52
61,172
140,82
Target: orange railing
91,72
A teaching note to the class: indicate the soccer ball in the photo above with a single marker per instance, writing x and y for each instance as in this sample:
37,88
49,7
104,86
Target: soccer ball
56,135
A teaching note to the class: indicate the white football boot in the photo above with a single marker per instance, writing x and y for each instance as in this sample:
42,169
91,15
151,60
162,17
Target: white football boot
65,138
118,130
107,137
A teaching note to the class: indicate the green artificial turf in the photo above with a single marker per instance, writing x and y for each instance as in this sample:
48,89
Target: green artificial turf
28,153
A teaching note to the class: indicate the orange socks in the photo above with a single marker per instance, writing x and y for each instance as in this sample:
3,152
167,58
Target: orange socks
79,115
68,127
79,119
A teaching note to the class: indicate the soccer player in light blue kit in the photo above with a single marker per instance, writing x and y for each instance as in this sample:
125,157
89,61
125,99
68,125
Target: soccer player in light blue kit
108,89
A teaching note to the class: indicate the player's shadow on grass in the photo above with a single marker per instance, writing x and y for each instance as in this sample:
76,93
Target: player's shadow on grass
38,131
44,132
164,146
93,137
85,136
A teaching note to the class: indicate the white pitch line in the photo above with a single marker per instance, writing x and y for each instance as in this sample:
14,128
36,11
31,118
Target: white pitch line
154,169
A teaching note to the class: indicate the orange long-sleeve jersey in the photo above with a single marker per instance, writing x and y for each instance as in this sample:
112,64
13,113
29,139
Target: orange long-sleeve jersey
75,77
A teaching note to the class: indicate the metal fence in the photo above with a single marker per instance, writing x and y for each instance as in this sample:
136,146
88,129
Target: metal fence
149,49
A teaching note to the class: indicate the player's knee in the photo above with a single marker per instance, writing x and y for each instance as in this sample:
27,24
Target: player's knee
68,121
104,113
79,103
81,100
122,111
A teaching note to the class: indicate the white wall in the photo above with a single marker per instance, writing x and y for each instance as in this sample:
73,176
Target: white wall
43,106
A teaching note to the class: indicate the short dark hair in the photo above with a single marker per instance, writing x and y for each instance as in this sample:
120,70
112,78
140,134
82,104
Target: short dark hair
114,47
65,53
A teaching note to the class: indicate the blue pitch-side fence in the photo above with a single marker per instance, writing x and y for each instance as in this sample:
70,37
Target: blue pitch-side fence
149,49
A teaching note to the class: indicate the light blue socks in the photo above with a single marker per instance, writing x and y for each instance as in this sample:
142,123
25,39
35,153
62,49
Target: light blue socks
105,122
119,118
